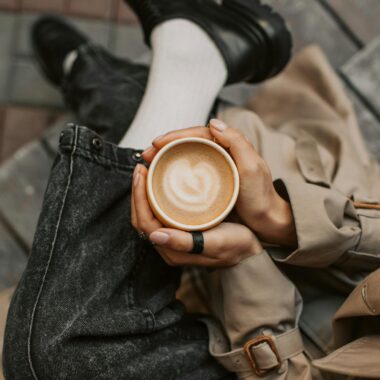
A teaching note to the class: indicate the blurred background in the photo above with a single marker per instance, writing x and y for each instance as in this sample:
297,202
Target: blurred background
32,112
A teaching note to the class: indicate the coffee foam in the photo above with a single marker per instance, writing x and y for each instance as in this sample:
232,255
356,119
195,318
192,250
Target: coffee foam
193,183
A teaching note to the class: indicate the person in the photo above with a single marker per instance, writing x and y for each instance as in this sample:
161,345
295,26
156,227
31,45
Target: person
98,302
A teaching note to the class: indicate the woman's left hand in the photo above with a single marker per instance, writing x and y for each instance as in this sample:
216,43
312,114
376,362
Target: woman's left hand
224,245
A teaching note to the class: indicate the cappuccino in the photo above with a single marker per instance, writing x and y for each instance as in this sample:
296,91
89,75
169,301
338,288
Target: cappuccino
192,184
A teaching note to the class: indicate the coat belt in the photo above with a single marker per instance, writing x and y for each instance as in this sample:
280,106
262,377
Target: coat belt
261,354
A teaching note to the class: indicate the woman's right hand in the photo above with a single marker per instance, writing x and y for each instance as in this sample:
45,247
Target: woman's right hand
259,206
224,245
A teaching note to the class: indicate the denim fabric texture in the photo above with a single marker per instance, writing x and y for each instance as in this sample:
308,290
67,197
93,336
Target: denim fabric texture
97,302
104,91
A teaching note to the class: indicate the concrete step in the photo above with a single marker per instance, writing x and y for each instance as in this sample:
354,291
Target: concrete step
362,72
368,123
310,23
361,17
23,180
12,259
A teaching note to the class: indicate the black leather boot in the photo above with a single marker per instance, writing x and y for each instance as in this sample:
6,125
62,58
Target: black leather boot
52,39
252,38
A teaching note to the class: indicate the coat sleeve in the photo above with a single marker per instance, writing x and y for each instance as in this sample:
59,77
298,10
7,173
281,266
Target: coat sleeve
327,225
356,333
251,300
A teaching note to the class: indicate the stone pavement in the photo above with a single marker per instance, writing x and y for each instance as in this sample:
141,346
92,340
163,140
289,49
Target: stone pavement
347,30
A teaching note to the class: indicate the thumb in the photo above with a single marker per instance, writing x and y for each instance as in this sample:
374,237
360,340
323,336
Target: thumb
239,147
173,239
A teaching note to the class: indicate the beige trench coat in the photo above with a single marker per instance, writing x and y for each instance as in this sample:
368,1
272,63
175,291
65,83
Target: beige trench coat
303,125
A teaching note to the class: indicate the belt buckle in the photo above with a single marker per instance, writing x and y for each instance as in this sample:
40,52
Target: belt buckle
251,357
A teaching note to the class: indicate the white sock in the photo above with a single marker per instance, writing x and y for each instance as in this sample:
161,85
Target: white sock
186,75
68,62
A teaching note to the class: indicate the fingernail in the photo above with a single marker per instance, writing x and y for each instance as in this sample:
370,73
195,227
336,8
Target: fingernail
158,237
148,150
218,124
136,179
158,138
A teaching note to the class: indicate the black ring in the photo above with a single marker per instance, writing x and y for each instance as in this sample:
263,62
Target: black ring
198,242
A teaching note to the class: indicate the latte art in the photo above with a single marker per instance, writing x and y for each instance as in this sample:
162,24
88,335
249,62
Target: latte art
191,187
192,183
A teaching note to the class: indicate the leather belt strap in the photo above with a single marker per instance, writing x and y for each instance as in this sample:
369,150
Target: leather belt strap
261,355
369,206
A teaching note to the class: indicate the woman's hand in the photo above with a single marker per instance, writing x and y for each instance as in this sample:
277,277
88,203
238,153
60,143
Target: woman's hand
224,245
259,206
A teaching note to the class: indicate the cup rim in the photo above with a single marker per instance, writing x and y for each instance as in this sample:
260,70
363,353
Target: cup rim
188,227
